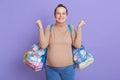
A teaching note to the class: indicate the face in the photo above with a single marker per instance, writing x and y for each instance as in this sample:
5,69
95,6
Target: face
61,15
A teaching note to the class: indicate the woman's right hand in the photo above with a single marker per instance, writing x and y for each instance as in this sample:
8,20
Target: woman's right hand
39,23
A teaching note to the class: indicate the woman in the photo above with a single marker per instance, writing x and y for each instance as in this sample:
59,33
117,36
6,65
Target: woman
59,63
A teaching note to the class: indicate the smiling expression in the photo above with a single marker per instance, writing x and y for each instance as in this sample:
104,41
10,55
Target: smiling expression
61,15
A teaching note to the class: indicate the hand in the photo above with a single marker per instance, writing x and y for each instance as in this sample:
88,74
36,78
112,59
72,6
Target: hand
81,24
39,23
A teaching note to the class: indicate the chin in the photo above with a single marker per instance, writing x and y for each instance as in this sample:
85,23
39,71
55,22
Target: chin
61,22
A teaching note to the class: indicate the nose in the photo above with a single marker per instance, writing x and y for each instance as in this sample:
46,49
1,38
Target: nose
60,14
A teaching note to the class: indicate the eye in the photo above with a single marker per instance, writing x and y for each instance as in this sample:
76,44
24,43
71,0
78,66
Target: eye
64,13
58,13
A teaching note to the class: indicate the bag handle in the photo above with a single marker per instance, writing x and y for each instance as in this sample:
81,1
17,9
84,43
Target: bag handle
70,29
51,27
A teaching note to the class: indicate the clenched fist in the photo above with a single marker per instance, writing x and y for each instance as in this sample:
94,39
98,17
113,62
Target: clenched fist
81,24
39,23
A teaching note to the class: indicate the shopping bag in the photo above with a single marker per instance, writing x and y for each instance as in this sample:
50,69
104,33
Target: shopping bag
82,57
35,58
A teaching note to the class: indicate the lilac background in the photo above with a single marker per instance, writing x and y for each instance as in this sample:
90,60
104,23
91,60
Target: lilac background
101,35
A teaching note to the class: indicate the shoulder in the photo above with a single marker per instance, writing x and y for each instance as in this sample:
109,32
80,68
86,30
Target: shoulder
72,26
48,27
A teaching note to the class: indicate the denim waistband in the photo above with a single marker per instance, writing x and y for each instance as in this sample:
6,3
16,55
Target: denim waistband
73,65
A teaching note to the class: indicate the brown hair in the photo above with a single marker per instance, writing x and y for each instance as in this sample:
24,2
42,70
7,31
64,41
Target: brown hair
61,5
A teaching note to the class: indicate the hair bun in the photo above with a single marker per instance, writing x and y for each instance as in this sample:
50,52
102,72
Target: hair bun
60,5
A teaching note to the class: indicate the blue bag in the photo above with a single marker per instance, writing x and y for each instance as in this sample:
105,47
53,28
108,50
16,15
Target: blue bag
35,58
81,56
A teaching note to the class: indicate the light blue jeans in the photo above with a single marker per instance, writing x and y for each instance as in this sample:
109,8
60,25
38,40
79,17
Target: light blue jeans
60,73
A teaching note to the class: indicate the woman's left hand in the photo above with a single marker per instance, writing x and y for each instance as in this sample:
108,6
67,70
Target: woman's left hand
81,24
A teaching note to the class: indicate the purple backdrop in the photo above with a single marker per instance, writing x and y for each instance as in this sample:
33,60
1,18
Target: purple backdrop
100,34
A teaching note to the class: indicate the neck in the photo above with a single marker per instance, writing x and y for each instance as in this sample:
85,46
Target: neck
60,24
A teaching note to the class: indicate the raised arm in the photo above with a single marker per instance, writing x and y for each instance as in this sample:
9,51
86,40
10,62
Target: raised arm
43,36
77,35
